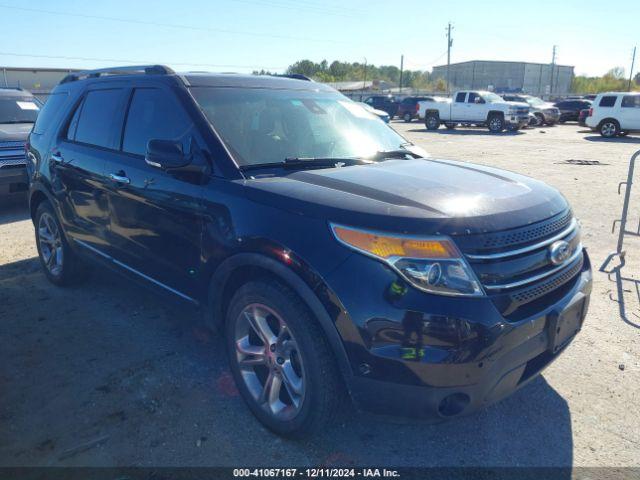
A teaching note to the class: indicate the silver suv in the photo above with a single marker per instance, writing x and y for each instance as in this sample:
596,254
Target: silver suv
545,112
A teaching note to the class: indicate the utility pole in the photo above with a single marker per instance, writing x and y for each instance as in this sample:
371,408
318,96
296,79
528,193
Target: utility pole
364,81
401,70
553,66
633,61
449,44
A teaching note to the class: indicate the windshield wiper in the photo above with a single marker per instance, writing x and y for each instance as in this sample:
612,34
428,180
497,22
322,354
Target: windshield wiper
7,122
301,163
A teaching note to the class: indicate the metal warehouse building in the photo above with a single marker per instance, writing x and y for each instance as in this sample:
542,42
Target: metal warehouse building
39,81
541,79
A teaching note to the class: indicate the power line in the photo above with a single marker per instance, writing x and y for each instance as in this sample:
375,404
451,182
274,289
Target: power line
167,25
120,60
314,8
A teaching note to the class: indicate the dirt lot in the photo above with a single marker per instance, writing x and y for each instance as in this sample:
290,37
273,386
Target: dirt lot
105,374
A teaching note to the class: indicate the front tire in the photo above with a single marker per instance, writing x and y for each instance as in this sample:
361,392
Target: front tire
281,361
61,265
496,124
407,117
609,128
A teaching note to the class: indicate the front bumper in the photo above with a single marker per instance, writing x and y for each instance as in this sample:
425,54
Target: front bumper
519,120
13,180
551,117
422,355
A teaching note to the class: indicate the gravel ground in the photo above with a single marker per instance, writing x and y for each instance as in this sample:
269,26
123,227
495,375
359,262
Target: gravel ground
105,374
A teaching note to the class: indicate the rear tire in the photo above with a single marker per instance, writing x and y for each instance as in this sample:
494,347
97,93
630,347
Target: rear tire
407,117
60,263
609,128
450,126
432,121
281,361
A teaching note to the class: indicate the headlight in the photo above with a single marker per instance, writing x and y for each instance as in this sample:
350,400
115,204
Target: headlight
431,264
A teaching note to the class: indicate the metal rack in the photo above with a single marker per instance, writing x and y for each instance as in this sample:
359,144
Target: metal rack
620,252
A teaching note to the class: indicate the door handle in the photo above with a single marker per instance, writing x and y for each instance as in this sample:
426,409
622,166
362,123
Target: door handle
116,177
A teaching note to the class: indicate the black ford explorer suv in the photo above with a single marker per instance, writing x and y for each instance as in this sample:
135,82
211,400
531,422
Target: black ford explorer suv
18,111
337,260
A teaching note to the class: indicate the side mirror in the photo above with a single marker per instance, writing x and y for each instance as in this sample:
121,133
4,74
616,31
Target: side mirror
165,154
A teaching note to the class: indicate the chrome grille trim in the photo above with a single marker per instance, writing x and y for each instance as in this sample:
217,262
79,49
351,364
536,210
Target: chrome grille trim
512,253
540,276
12,162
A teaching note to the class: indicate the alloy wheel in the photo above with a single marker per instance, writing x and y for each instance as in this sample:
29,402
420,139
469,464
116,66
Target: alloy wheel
608,129
269,361
50,242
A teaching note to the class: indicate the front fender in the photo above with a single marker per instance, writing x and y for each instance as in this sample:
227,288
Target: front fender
298,276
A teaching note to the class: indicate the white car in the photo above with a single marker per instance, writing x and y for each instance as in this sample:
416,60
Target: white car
615,113
475,107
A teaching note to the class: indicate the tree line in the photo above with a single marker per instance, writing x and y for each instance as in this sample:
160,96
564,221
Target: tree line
336,71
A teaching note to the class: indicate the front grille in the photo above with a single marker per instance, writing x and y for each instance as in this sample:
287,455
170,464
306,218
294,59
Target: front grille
541,289
12,154
12,162
515,267
11,144
494,242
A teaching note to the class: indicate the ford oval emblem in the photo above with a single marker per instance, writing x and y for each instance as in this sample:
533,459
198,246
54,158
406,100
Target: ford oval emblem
559,252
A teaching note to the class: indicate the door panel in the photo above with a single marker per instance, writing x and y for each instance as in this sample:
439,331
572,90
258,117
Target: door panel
156,217
156,223
79,180
458,107
78,162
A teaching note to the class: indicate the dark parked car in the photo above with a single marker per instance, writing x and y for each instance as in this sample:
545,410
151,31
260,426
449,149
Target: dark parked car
388,103
408,107
570,109
338,262
18,111
582,117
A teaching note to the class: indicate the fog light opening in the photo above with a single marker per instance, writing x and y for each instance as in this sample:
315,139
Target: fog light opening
453,404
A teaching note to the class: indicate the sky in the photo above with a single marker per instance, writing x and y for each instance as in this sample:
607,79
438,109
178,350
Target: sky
246,35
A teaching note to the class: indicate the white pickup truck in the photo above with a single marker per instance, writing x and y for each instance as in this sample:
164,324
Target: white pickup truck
475,107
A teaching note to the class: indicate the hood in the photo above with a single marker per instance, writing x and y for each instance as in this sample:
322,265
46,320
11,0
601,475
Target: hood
413,196
518,104
14,132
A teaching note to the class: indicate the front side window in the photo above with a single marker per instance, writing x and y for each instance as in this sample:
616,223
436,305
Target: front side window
19,109
631,101
473,96
154,114
98,117
268,126
608,101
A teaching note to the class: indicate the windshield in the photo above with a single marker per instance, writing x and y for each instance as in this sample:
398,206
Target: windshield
18,110
268,126
491,97
534,101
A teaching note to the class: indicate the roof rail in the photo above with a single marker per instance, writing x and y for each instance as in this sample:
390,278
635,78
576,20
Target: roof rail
129,70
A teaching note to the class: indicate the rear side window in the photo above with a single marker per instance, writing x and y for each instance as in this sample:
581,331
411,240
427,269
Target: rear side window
154,114
98,117
608,101
54,104
631,101
460,97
